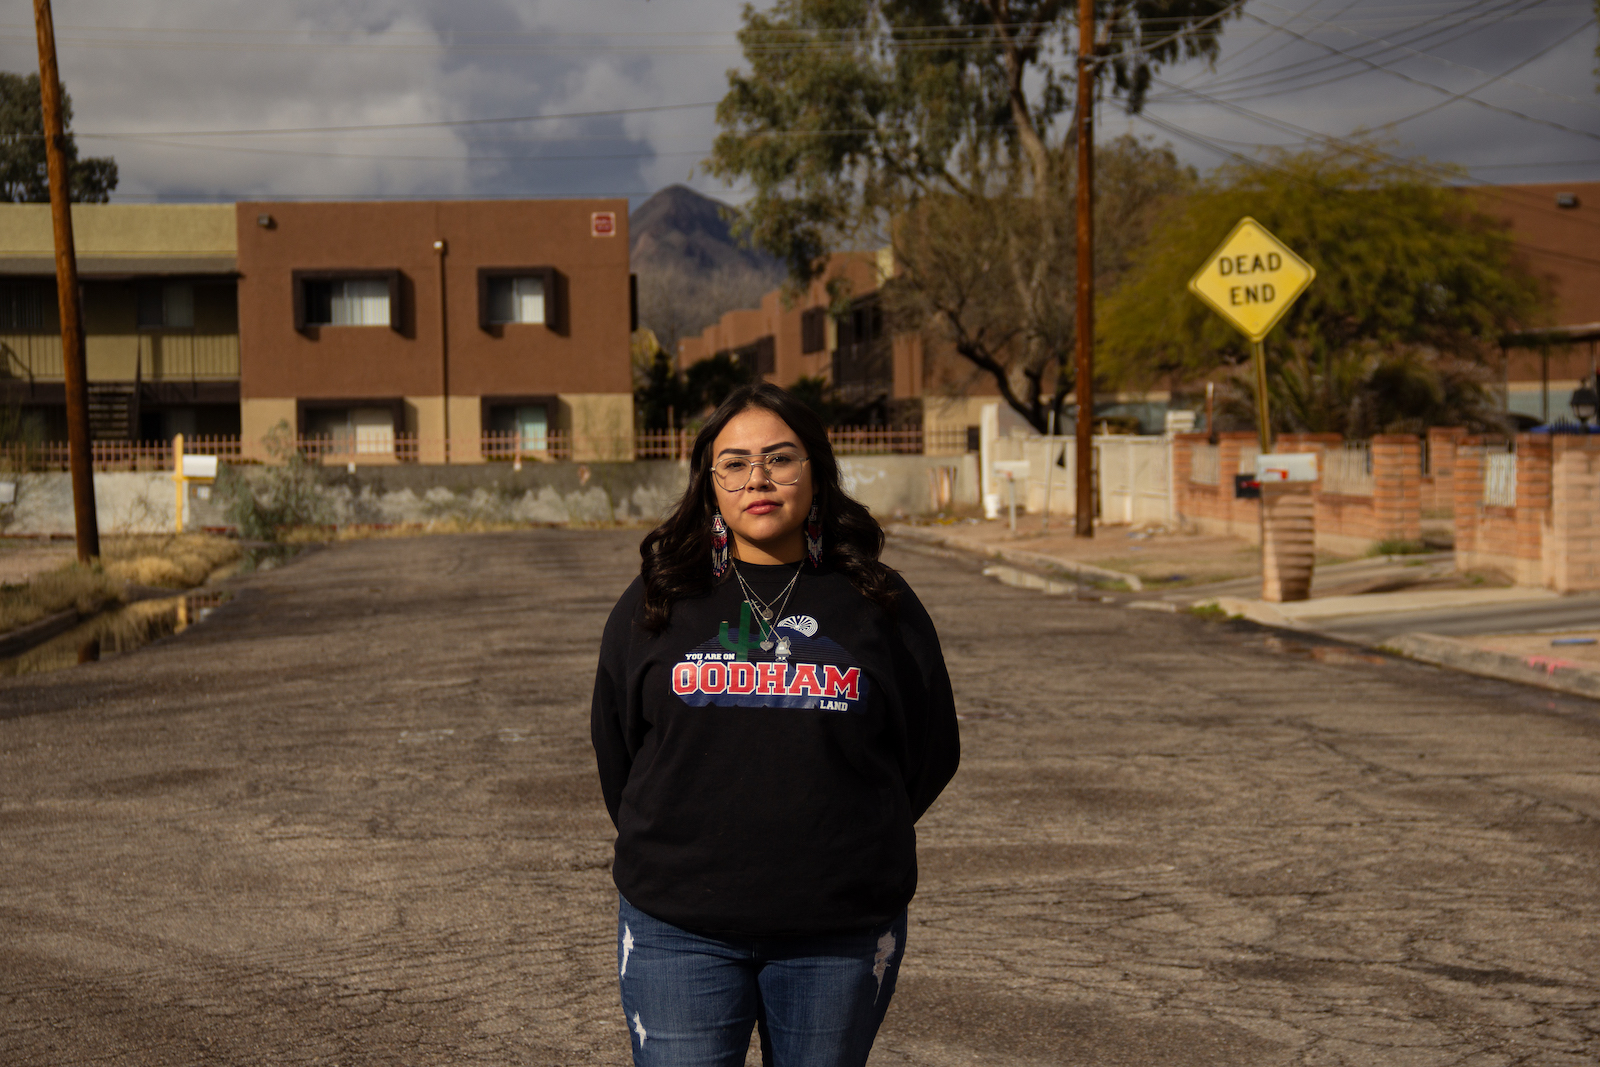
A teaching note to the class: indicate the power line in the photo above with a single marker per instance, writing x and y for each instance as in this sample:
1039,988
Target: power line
434,124
1429,85
1255,83
1474,70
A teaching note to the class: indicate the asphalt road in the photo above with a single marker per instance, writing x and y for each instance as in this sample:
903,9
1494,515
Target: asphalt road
351,819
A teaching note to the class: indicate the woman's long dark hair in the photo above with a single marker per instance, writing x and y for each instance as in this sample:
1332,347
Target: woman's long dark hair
677,554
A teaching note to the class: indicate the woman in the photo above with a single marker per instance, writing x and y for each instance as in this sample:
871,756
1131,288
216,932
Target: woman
771,716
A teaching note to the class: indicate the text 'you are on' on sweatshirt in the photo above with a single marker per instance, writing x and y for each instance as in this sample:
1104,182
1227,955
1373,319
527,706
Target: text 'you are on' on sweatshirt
772,790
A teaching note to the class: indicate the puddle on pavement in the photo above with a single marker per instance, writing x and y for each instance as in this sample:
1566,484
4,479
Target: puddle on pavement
1334,654
116,632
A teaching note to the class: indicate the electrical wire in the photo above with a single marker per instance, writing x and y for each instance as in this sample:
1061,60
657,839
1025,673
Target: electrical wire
1349,65
1430,85
432,124
1474,70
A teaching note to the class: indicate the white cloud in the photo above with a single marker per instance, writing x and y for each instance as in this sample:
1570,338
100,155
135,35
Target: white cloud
142,65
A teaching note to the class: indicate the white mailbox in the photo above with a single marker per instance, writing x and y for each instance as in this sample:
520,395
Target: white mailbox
1286,467
1011,468
199,466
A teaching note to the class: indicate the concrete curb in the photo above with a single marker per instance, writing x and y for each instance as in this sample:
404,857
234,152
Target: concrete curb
20,640
1015,556
1546,672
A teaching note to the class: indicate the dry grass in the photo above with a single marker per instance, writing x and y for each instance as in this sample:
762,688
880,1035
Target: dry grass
302,535
75,586
167,561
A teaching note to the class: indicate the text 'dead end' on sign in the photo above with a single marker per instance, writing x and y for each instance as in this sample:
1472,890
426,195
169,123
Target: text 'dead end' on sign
1251,279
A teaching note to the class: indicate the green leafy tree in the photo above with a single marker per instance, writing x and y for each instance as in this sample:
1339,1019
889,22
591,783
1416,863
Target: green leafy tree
854,113
1414,287
23,178
708,382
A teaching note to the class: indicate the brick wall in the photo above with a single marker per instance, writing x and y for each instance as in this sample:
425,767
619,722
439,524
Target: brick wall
1438,485
1510,540
1212,508
1344,523
1571,555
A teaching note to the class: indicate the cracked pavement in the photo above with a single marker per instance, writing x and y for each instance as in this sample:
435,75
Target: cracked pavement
352,819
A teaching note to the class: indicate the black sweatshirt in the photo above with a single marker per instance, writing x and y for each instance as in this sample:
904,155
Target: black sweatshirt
761,794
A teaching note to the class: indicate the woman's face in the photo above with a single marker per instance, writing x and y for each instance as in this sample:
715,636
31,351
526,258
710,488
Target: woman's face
765,518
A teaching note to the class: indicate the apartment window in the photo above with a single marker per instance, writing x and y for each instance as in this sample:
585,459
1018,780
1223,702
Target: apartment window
166,305
27,305
525,424
511,296
759,358
813,330
367,431
518,298
346,298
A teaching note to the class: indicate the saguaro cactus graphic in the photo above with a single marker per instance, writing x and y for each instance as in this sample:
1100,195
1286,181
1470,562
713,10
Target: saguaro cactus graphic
749,636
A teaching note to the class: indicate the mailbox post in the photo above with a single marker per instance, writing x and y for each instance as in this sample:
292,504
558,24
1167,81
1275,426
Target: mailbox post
185,469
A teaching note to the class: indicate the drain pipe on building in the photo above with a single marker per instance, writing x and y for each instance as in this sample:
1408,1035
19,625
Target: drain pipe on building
442,250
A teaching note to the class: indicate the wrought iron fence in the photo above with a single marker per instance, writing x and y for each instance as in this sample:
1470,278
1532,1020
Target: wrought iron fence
382,446
1347,469
112,455
1500,479
1205,465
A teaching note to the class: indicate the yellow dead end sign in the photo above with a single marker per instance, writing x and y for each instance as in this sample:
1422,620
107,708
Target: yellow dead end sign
1251,279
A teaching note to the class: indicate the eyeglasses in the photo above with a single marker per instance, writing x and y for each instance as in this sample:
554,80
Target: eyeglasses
783,468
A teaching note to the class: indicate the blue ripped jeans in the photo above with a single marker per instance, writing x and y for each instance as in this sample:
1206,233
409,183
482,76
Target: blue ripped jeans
691,1000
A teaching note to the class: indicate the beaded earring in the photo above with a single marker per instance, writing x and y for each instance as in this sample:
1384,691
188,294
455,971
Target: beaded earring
719,545
814,534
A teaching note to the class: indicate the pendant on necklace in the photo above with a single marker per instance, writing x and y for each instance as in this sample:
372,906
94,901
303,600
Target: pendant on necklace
783,647
766,613
766,646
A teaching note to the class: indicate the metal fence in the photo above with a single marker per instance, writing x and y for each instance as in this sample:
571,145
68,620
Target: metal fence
383,446
1500,479
1205,465
1347,469
113,455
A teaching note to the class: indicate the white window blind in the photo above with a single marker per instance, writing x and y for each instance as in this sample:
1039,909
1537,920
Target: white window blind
361,302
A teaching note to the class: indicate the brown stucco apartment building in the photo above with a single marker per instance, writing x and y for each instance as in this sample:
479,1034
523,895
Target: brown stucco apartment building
789,337
370,323
1555,228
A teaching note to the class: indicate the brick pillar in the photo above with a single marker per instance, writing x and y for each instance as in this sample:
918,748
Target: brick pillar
1467,477
1397,486
1533,506
1288,540
1182,464
1572,538
1438,489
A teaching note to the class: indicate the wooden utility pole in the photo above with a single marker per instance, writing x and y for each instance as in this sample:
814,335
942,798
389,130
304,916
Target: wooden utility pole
80,458
1084,377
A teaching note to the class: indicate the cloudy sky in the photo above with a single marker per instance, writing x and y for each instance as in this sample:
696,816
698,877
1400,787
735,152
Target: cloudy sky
230,99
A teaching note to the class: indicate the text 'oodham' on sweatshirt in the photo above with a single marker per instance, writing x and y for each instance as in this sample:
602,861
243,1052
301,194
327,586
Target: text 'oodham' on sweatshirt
767,783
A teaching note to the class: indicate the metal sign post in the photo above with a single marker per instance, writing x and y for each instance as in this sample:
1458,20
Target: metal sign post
1251,279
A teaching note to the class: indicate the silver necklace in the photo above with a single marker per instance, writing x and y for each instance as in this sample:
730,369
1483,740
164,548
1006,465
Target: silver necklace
765,612
762,607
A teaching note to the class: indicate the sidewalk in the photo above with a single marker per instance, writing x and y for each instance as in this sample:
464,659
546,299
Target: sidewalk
1416,606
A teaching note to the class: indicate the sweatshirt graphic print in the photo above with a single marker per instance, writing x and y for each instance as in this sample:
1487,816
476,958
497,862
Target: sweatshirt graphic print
790,666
